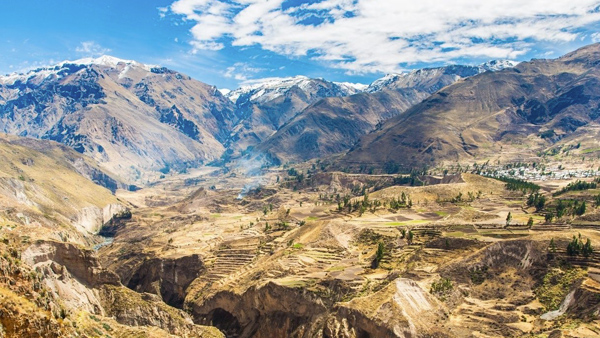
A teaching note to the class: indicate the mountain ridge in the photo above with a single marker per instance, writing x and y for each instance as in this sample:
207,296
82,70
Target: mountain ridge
333,125
492,115
130,117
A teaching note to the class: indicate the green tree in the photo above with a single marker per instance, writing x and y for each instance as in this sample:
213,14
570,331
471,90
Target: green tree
508,218
552,246
530,222
587,248
378,255
540,203
581,209
575,247
410,237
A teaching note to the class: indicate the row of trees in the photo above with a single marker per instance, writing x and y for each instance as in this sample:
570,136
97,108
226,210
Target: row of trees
566,208
514,184
576,186
576,247
346,203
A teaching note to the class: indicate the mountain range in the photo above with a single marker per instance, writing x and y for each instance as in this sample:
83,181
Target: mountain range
140,121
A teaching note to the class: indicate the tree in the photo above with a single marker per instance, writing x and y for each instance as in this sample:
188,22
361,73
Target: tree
530,222
581,209
410,237
549,216
552,246
508,218
573,247
378,255
540,203
587,248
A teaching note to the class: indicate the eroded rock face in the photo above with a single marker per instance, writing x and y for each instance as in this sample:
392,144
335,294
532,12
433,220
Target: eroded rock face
402,309
268,311
15,189
524,255
73,293
167,277
80,263
91,219
74,276
135,309
350,323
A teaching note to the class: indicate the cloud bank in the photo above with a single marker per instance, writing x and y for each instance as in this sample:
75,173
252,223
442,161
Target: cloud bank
381,35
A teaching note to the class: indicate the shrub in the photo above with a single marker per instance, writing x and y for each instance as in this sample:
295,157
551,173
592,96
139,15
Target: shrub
441,287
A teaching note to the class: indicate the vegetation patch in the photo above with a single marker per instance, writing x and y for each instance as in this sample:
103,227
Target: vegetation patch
590,150
515,184
577,186
441,288
478,274
556,285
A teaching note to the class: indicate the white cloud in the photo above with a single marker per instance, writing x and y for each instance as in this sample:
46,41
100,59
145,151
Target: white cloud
378,35
162,12
595,37
241,71
91,48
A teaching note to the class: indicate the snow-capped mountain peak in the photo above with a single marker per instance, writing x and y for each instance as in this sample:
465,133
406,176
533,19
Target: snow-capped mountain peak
63,67
108,61
268,89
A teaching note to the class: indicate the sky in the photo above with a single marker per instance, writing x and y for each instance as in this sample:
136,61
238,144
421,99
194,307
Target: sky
229,43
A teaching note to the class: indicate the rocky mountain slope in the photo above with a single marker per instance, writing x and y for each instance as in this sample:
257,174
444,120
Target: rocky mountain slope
50,188
515,114
266,106
128,116
333,125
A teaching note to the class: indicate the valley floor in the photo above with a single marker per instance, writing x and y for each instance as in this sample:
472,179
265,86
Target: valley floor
340,255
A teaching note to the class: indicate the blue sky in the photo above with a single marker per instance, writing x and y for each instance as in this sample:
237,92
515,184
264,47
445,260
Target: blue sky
231,42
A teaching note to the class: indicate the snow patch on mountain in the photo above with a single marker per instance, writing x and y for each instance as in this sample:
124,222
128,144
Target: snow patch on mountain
417,76
496,65
357,87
